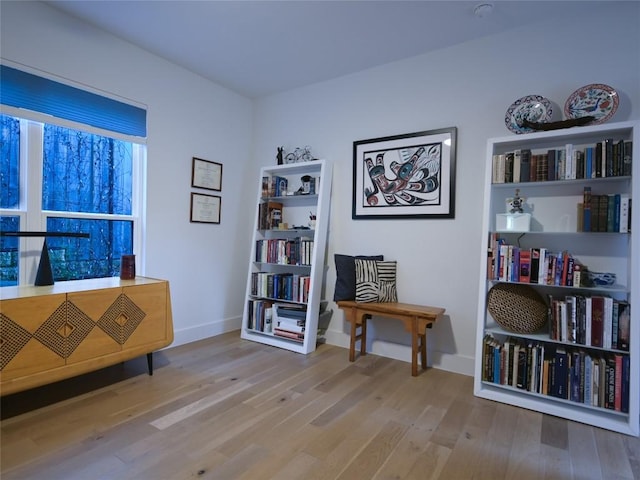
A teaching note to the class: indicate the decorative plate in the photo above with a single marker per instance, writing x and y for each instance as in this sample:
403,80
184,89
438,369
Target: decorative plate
533,108
598,100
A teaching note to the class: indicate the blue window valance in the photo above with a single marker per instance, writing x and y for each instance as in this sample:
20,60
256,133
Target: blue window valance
24,90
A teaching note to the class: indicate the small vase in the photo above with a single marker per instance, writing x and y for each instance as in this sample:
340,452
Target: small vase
128,267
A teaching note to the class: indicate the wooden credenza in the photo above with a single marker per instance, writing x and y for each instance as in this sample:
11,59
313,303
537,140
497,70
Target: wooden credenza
50,333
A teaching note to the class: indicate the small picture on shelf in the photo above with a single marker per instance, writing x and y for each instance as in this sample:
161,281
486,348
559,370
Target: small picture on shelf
269,215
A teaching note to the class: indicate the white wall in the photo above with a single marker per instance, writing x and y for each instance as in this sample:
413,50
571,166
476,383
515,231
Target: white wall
469,86
187,116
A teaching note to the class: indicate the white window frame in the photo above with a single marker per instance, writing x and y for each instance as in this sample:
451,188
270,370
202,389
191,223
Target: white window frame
34,218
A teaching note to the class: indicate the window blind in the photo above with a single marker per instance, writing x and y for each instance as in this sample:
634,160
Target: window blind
24,90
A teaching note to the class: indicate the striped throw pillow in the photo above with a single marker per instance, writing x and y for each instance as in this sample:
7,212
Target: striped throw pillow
375,281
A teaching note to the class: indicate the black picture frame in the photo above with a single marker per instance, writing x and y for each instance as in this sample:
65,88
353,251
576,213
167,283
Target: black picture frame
405,176
206,174
205,208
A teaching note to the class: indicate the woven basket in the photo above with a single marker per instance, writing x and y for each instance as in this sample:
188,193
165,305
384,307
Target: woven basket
517,308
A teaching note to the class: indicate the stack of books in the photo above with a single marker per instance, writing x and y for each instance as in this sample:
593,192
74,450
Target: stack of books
289,321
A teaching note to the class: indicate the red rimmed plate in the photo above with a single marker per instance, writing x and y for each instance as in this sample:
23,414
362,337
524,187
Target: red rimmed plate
597,99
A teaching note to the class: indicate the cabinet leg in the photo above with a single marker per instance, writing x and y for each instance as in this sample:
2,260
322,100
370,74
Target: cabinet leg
150,363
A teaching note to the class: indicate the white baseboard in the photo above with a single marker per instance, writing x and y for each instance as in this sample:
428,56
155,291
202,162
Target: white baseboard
192,334
444,361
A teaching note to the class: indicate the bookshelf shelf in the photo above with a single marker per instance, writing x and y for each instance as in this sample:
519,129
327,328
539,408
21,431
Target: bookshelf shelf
289,268
592,290
551,375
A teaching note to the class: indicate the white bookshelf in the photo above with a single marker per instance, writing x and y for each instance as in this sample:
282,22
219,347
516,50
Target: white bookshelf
554,225
296,212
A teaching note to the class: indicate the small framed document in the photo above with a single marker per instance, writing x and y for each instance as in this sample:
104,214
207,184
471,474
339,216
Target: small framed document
206,174
205,208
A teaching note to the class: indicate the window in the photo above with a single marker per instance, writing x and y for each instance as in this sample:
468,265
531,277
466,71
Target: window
60,179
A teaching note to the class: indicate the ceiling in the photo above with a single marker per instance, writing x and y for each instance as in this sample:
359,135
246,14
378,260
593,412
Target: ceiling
258,48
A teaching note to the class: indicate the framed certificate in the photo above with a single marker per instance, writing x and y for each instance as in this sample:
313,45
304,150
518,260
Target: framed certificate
206,174
205,208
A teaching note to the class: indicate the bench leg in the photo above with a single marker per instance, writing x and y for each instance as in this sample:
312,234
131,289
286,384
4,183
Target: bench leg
414,347
418,347
352,342
423,351
363,335
355,337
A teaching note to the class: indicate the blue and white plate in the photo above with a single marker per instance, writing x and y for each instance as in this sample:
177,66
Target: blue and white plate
597,100
533,108
601,279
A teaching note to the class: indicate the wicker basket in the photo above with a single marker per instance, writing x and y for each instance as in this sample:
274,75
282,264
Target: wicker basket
517,308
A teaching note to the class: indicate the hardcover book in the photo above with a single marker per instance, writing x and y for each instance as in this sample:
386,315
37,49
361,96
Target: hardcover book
542,167
588,380
603,210
525,266
608,152
561,373
627,158
598,160
586,209
522,367
597,321
535,265
575,375
624,320
508,167
551,165
617,394
624,389
589,170
618,158
525,165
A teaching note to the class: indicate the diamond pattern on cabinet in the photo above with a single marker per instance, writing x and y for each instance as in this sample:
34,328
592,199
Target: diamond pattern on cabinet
12,338
121,319
65,329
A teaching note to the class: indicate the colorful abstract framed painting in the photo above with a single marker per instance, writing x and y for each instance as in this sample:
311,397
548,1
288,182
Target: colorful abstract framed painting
405,176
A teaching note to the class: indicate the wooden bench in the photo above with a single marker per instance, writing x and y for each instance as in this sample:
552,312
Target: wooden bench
416,319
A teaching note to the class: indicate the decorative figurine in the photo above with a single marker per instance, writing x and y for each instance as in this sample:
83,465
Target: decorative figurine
280,155
516,203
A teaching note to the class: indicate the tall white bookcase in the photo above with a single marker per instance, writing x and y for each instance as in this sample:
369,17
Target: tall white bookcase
555,221
287,265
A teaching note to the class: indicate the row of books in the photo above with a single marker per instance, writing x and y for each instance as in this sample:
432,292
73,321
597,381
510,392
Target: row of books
260,315
510,263
297,251
288,321
608,158
604,213
274,186
586,377
597,321
283,286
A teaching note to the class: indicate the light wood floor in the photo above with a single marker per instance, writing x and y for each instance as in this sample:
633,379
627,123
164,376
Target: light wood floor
226,408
